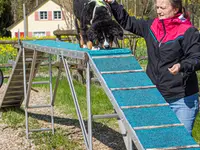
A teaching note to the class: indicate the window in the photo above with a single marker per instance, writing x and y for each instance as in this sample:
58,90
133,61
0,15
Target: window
57,15
43,15
39,34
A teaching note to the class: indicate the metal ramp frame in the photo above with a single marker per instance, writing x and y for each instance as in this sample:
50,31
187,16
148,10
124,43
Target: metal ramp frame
21,81
145,117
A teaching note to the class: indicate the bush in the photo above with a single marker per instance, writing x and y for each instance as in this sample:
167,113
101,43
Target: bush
8,52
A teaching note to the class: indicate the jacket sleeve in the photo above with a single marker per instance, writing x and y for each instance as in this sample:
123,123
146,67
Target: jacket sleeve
191,49
129,23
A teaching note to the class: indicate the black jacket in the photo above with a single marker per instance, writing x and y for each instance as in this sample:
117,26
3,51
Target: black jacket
169,41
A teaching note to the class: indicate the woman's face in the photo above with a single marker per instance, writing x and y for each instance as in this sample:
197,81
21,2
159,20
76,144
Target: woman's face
164,9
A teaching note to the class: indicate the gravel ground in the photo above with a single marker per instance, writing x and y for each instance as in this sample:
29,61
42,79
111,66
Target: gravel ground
104,138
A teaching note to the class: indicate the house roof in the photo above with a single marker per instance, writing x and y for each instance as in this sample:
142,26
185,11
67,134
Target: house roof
17,22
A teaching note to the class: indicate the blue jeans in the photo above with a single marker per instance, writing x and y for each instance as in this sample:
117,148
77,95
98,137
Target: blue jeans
186,110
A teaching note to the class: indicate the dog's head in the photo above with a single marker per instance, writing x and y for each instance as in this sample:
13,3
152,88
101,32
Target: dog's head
102,33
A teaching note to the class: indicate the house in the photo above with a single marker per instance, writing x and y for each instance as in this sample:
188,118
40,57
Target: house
43,20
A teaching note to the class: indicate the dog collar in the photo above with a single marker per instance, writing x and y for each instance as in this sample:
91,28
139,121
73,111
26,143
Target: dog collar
100,3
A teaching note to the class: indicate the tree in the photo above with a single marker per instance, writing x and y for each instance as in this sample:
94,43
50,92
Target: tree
6,18
67,11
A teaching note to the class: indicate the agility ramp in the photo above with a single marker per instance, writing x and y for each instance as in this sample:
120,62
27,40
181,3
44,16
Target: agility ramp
146,118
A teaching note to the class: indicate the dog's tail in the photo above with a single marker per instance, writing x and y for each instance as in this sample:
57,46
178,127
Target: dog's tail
77,28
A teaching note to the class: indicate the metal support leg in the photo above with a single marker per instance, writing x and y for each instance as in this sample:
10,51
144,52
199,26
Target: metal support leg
24,76
69,78
57,82
89,107
124,134
51,94
130,143
54,93
27,92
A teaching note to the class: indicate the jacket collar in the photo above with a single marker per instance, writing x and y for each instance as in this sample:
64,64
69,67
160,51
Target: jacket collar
170,28
177,19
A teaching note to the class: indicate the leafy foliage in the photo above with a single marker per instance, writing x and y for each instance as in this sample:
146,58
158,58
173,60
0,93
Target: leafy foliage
5,17
9,52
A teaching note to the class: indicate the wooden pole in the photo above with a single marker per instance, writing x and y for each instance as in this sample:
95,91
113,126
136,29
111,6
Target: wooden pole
25,21
36,3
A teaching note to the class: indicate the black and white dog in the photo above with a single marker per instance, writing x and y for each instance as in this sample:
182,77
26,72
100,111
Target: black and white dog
94,24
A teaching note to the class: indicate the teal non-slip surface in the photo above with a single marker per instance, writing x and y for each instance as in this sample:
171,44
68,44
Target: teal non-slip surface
165,137
125,80
153,116
138,97
76,47
117,64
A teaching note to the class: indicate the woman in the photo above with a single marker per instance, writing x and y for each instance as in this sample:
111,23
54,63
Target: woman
173,46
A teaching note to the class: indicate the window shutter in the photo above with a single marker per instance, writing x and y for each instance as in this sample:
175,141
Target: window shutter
48,33
16,34
21,34
63,14
36,16
49,15
30,34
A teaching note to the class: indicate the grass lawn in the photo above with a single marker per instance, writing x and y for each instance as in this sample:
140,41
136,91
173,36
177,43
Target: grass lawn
196,129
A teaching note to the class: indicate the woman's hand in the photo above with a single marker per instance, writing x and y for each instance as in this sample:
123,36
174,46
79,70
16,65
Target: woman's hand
175,69
108,1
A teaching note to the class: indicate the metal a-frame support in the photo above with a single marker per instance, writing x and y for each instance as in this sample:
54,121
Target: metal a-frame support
87,135
74,96
27,90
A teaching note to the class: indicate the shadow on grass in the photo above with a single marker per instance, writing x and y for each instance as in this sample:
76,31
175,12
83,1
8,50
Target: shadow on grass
101,132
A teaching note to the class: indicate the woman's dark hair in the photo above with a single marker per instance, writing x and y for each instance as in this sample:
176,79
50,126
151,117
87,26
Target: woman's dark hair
178,4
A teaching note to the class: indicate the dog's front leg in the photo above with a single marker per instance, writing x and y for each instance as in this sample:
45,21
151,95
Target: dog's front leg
89,45
83,39
93,45
83,35
82,43
92,39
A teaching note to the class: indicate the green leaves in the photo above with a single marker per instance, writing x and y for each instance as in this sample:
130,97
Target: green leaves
5,17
